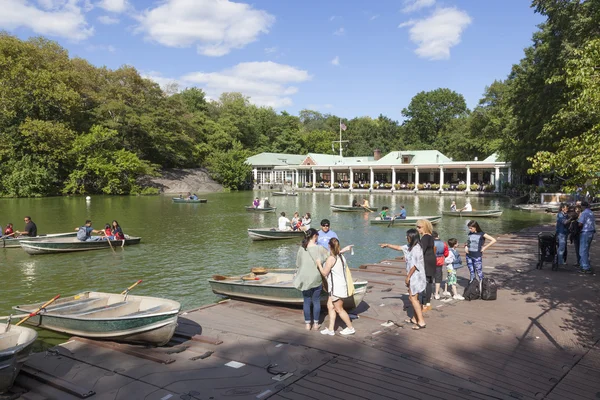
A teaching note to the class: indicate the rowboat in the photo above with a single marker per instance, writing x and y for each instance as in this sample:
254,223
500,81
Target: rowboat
10,242
180,200
67,245
276,287
259,210
397,221
479,214
342,208
273,234
109,316
15,347
284,194
531,208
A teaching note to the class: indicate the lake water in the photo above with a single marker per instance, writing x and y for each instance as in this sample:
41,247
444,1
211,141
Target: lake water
185,244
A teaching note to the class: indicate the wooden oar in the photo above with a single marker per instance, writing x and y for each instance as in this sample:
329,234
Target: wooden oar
131,287
392,222
259,270
367,208
36,312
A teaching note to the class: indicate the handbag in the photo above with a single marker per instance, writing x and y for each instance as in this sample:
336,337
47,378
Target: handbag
349,280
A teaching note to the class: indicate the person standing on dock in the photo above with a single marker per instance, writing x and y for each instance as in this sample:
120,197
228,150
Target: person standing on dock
425,229
562,231
586,235
475,248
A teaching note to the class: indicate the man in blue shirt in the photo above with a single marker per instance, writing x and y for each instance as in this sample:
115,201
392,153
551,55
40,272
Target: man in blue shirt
562,231
588,229
402,212
325,234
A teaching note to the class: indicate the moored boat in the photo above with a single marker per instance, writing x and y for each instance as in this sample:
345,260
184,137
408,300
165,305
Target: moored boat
67,245
478,214
109,316
260,209
531,208
285,194
343,208
397,221
179,200
273,234
15,347
276,287
12,242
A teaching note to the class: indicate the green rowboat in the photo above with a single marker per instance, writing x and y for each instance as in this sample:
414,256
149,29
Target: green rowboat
273,234
109,316
473,214
10,242
408,221
284,194
260,210
178,200
15,347
276,287
342,208
67,245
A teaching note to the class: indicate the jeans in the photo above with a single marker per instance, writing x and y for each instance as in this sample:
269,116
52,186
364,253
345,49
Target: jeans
426,295
576,244
562,246
585,239
475,264
312,296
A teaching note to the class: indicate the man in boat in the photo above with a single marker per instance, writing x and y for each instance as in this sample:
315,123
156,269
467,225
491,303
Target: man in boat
266,203
194,197
402,214
453,206
30,228
383,213
84,233
467,207
355,203
283,222
365,204
326,234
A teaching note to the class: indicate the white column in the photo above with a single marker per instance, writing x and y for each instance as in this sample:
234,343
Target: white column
393,178
351,178
468,178
497,179
510,175
297,180
271,177
416,179
314,178
372,177
255,173
441,178
331,178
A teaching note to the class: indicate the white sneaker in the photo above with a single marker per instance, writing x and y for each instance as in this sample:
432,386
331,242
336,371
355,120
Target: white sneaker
437,297
347,331
326,331
446,293
458,297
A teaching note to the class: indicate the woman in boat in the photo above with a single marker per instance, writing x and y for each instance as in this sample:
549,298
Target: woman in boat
425,229
474,248
453,206
306,222
415,274
308,278
117,232
8,231
256,202
335,272
296,221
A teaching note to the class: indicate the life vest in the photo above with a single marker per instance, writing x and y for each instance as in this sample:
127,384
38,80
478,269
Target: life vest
440,252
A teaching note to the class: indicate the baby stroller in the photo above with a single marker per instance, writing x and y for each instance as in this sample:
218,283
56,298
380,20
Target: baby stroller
547,250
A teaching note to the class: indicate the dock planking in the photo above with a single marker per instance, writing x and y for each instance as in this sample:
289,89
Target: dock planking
535,342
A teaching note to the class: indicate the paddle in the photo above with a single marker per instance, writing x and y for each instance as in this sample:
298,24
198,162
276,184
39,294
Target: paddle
110,244
259,270
126,291
392,222
36,312
367,208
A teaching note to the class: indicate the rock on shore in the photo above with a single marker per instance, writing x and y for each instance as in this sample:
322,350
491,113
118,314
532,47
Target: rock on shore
195,180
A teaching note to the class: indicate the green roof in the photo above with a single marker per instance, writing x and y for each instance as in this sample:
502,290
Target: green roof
417,157
275,159
493,158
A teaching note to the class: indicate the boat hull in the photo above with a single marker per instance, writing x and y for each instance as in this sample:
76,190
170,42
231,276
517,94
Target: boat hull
282,293
472,214
408,221
186,201
69,246
273,234
16,242
260,210
340,208
284,194
15,347
102,319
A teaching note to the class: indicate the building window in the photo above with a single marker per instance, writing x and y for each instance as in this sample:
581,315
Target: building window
405,160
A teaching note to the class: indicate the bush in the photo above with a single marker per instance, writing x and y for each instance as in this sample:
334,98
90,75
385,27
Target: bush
396,186
435,186
376,186
474,187
147,191
326,185
299,184
308,184
336,185
420,186
366,186
387,185
346,185
489,188
411,186
354,185
461,187
445,186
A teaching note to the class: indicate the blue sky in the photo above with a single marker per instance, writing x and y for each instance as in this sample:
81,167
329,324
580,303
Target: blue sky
349,58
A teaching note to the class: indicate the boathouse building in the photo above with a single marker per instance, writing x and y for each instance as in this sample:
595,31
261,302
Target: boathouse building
399,170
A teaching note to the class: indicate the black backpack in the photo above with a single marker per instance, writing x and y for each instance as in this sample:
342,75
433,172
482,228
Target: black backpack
473,290
489,289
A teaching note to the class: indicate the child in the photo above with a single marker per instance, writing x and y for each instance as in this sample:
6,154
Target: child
108,232
8,231
296,221
453,262
441,252
383,213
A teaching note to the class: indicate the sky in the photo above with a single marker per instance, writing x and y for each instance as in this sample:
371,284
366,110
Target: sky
350,58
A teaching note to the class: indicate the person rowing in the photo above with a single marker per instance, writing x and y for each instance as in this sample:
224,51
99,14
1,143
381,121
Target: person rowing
365,205
453,206
467,207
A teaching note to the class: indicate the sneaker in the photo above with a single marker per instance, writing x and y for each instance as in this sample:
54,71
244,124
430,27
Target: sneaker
458,297
584,271
326,331
436,296
347,331
446,294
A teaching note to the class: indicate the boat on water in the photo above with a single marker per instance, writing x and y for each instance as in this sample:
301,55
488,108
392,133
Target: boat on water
285,194
343,208
67,245
12,242
15,347
260,209
179,200
532,208
273,234
474,213
276,287
109,316
397,221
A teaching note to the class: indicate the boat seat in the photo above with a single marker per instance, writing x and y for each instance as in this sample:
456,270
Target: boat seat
143,312
73,306
284,282
9,339
102,308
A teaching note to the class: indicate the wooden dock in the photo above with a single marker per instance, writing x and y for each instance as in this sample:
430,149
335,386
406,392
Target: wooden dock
539,340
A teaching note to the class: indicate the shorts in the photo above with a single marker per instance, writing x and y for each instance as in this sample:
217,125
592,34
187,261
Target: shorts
451,278
438,274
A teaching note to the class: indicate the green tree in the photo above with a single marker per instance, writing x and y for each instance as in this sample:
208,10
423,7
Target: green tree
230,168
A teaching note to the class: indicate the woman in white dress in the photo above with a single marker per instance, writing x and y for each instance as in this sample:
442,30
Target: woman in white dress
335,272
415,274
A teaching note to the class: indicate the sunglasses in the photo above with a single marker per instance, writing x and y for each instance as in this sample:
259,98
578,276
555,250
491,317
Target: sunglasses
325,226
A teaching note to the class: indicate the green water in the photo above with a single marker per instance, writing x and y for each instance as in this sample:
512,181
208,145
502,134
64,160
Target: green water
185,244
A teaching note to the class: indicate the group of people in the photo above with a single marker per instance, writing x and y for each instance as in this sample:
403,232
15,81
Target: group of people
189,196
467,207
261,203
111,231
30,229
576,223
364,204
297,223
383,215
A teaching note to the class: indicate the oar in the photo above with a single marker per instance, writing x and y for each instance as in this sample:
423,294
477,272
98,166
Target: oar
110,244
367,208
260,269
392,222
36,312
131,287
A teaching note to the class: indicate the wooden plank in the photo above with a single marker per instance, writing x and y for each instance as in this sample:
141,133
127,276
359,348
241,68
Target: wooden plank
56,382
146,354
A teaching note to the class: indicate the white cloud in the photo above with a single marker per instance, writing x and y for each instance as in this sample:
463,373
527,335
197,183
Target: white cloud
101,47
214,26
374,17
416,5
62,18
270,50
319,106
437,33
162,81
339,32
116,6
265,83
336,60
108,20
333,17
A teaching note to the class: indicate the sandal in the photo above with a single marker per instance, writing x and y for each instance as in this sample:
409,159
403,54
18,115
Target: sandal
417,327
410,321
